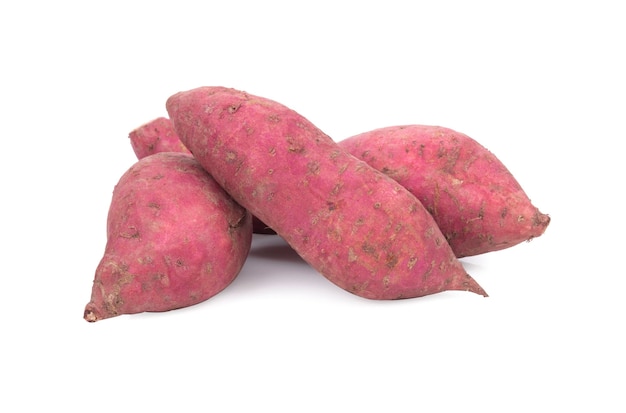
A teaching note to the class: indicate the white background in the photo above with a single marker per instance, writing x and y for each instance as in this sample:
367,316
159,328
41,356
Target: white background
539,83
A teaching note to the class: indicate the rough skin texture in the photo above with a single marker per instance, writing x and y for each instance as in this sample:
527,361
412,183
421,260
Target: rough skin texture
355,225
477,203
156,136
159,135
174,239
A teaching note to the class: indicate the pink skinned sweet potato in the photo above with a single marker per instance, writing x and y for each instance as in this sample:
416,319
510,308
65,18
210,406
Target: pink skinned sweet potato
159,135
174,239
355,225
155,136
477,203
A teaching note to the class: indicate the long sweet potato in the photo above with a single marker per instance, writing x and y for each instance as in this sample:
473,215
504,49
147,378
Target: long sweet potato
174,239
355,225
477,203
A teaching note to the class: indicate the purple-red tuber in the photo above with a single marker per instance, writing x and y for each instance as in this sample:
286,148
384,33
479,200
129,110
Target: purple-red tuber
359,228
174,239
475,200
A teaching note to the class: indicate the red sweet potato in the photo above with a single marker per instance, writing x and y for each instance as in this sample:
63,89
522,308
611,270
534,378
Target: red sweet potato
159,135
355,225
477,203
156,136
174,239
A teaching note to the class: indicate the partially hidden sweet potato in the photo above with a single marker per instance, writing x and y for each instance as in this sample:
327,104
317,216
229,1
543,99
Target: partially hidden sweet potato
359,228
174,239
475,200
158,135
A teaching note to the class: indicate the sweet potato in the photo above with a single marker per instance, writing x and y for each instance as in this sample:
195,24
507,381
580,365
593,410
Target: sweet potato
359,228
174,239
159,135
156,136
477,203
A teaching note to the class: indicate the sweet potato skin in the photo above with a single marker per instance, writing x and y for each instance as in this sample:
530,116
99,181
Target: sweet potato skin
174,239
475,200
157,135
355,225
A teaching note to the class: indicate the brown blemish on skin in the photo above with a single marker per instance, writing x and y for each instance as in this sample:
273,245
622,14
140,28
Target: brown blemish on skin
429,272
469,162
231,156
368,248
358,288
336,189
163,279
208,268
146,260
334,235
294,145
113,300
133,232
421,150
313,167
391,261
452,156
430,231
357,225
540,219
